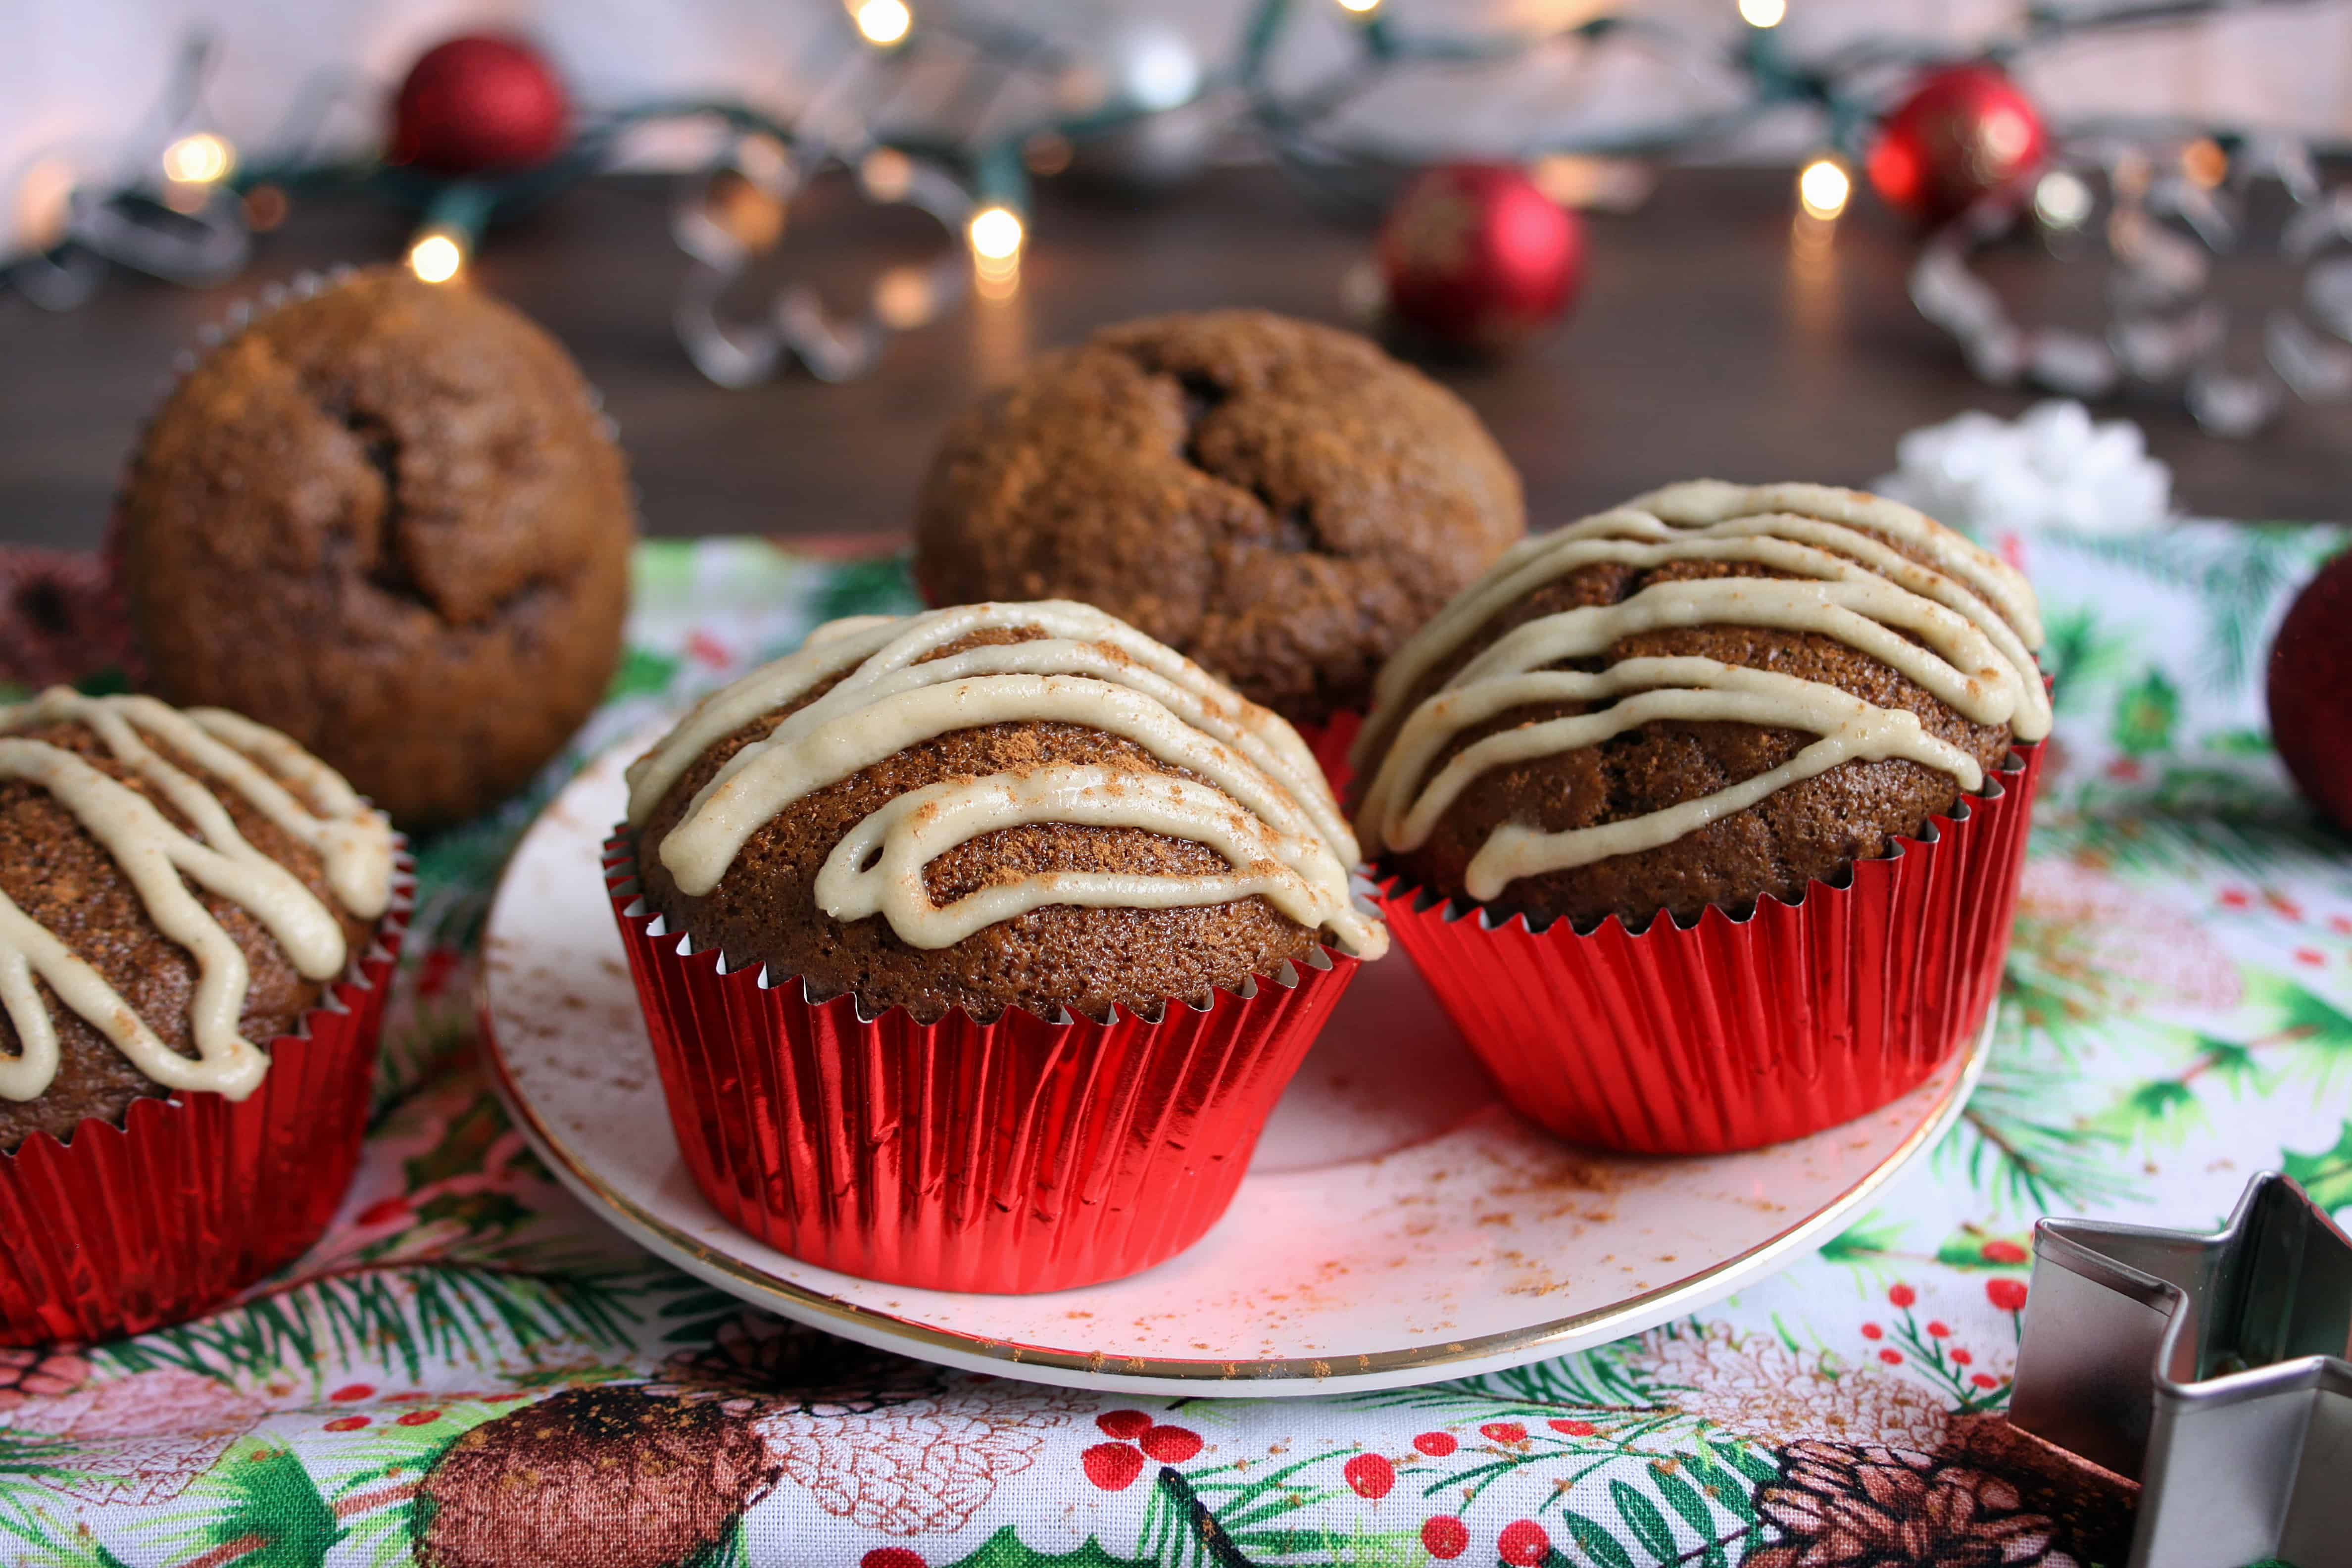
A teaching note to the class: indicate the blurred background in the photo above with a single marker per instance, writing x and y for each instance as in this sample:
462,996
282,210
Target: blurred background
81,76
788,240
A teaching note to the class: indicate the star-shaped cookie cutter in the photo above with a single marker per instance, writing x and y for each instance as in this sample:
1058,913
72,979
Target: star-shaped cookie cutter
2242,1440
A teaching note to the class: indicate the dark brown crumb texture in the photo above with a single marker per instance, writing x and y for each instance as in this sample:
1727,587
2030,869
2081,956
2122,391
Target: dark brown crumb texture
1810,831
387,520
764,910
1281,501
63,879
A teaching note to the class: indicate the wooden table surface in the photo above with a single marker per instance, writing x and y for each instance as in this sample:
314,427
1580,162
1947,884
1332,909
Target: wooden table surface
1707,342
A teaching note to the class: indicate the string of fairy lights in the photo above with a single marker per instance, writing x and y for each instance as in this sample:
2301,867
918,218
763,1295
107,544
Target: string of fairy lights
190,213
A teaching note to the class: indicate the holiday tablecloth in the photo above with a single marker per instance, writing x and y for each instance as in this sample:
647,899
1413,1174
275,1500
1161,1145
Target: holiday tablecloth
470,1370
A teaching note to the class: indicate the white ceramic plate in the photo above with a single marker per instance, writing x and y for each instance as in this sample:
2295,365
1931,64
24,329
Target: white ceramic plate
1398,1224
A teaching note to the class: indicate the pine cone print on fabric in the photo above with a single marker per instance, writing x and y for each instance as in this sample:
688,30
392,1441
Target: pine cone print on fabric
2128,948
138,1439
38,1375
1755,1385
1842,1507
801,1370
613,1478
929,1465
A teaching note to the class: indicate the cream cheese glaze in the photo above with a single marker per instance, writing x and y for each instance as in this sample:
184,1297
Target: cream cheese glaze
1257,797
1963,627
353,843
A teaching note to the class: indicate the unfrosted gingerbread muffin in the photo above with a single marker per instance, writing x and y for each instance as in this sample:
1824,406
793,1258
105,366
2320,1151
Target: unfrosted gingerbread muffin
983,808
1279,500
388,519
88,786
1710,694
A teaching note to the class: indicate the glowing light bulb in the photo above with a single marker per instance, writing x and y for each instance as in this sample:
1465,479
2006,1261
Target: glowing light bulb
1823,187
1763,12
203,159
2061,200
904,298
436,257
2204,162
2007,134
995,234
45,203
1164,71
886,173
882,22
1359,7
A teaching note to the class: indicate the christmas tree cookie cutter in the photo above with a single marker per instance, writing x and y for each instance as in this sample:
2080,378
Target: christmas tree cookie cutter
2242,1442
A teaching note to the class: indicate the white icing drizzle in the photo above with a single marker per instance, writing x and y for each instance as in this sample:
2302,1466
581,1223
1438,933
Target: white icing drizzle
1265,805
353,842
1964,629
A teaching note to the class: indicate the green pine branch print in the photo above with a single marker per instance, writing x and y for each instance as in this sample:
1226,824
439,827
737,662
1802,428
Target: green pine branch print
1874,1244
2017,1146
876,586
2327,1175
2146,713
409,1314
2078,653
2237,576
258,1507
1616,1472
1225,1514
1599,1379
1868,1241
1005,1549
2313,1040
40,1539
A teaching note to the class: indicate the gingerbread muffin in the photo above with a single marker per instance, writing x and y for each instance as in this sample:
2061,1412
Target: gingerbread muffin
1579,736
1281,501
91,788
1098,886
197,919
388,519
976,946
1786,716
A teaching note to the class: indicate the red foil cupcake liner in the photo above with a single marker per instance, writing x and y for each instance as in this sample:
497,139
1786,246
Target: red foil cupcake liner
122,1229
1015,1156
1733,1033
1330,741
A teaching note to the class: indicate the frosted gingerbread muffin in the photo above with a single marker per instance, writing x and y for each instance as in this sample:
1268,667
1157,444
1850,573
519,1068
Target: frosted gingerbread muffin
999,805
197,919
141,983
1798,721
976,946
1712,693
1281,501
388,519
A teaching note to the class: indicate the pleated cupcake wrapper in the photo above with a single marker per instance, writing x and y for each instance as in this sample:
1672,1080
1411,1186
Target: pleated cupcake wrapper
1016,1156
1330,741
1731,1034
122,1229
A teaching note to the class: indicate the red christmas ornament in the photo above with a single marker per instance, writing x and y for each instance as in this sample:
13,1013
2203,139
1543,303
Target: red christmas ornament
478,104
2311,690
1964,132
1475,256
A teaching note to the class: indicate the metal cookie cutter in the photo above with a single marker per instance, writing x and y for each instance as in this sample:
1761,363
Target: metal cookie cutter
2242,1446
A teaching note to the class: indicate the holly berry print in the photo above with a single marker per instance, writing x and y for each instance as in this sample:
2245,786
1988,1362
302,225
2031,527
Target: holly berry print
470,1371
